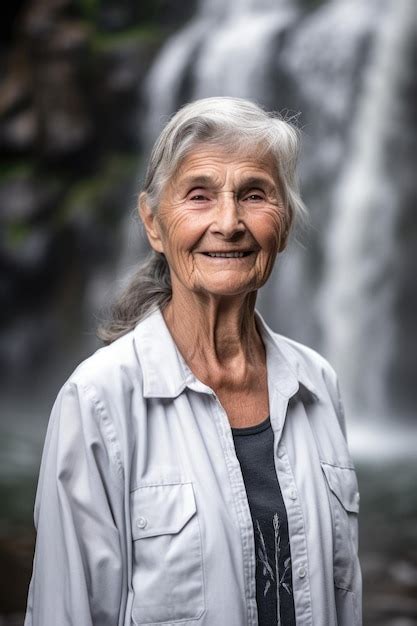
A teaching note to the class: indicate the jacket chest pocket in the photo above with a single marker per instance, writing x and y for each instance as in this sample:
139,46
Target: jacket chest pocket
167,555
344,504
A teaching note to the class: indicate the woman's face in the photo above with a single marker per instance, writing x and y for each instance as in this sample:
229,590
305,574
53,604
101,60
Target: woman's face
220,223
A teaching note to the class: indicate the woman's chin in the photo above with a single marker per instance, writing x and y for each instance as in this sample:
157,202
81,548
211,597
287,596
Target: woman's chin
226,289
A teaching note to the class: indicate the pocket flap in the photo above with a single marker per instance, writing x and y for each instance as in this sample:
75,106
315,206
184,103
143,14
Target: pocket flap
343,483
161,509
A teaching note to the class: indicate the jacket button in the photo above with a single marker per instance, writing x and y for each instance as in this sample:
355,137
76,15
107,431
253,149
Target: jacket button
293,494
141,522
301,572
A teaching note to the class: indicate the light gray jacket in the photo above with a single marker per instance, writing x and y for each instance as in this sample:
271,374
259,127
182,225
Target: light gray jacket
141,510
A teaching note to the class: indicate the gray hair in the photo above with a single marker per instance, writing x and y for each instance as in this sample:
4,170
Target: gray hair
232,123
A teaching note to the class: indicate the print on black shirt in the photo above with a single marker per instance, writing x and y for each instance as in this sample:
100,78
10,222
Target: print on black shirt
271,566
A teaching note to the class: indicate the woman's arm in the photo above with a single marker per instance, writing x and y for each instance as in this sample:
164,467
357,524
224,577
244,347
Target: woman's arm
79,570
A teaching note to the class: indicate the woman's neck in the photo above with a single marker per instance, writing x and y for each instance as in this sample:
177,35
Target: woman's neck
217,336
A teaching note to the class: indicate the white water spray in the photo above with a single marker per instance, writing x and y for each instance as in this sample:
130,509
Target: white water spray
357,289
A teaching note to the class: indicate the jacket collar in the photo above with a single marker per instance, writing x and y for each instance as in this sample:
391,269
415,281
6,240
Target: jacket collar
286,371
166,374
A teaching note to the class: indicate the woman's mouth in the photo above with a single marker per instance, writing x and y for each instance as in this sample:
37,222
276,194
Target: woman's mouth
228,255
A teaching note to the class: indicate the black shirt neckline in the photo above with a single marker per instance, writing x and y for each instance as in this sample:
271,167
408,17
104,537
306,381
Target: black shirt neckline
252,430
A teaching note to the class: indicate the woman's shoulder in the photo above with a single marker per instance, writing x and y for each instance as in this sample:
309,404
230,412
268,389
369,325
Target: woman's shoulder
110,368
299,355
302,354
311,368
318,376
97,398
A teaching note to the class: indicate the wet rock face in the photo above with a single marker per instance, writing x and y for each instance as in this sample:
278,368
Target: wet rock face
44,104
70,110
26,242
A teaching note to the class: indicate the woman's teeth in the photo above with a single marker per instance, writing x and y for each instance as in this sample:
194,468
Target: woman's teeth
227,254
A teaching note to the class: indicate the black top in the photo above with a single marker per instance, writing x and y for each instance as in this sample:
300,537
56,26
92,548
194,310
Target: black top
255,450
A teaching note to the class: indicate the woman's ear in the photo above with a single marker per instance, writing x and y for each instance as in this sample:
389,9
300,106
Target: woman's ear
286,231
150,222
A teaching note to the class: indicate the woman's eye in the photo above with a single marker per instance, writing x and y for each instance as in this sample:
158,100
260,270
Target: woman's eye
198,195
254,197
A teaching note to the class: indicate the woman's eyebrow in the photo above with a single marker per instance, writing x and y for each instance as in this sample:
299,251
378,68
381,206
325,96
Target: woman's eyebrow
201,180
257,181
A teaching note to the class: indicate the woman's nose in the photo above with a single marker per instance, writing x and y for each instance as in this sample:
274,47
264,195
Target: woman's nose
227,217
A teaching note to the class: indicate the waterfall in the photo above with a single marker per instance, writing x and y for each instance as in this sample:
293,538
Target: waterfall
339,65
358,285
236,58
222,51
168,72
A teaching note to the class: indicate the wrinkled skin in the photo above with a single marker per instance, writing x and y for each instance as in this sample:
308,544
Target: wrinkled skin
218,201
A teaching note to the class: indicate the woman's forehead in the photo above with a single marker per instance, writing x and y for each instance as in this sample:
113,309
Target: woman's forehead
205,160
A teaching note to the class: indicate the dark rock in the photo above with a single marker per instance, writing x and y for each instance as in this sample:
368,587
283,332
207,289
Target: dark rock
18,134
116,15
26,199
27,341
14,91
69,38
119,68
69,101
168,12
9,18
65,125
40,17
123,65
30,253
24,266
16,561
65,132
15,619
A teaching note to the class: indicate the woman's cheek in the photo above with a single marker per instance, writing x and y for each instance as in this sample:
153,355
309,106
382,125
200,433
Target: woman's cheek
172,228
270,228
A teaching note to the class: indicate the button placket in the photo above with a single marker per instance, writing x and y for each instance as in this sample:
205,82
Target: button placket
301,585
242,507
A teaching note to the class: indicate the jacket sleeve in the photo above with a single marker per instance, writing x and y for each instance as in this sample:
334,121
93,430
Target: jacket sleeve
79,564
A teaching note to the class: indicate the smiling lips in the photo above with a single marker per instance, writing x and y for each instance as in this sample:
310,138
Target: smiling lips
228,255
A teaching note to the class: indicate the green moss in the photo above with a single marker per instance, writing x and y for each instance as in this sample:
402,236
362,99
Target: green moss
121,164
82,199
15,169
92,196
16,234
105,42
88,8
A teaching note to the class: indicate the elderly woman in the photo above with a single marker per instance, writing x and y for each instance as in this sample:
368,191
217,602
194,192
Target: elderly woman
196,470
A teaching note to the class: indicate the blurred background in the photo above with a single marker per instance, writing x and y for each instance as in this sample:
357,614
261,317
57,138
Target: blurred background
86,85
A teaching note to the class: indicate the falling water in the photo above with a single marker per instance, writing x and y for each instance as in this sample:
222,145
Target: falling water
237,57
339,65
360,247
223,50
